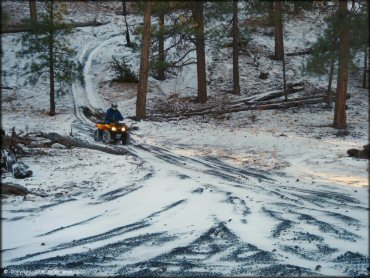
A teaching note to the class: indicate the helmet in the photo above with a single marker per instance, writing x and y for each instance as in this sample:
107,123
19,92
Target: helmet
114,105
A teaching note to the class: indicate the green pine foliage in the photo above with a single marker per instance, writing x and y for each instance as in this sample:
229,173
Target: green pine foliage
5,18
179,32
326,47
122,70
323,50
219,15
50,31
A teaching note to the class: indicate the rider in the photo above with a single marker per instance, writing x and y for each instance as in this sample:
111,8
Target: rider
113,115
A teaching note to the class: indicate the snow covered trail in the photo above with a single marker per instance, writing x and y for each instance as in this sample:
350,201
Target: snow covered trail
182,215
188,216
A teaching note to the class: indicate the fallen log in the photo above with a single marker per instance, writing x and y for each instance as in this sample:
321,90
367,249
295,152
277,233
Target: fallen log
13,189
25,28
53,138
275,102
254,106
290,104
292,88
280,93
303,52
92,115
9,188
70,143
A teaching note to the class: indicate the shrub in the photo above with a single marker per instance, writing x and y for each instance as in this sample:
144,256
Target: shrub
122,71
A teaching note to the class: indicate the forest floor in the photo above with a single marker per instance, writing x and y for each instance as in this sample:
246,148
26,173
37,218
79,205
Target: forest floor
264,193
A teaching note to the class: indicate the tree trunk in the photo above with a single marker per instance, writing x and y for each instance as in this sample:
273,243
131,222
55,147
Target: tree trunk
236,49
368,77
271,13
364,85
144,64
197,7
331,73
367,45
161,54
51,61
284,77
124,8
124,12
340,119
33,10
279,41
128,40
279,48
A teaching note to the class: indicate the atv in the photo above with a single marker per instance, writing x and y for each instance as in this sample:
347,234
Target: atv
111,132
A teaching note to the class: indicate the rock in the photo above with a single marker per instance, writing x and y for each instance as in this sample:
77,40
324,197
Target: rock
21,171
364,153
263,75
353,152
58,146
198,190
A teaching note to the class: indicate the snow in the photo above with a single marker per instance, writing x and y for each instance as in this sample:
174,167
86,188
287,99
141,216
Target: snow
226,190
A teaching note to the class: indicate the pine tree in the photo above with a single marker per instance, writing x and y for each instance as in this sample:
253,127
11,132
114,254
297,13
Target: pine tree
340,118
345,36
279,41
236,81
171,42
359,33
33,10
324,54
271,15
161,52
48,46
279,44
144,64
127,33
158,59
197,9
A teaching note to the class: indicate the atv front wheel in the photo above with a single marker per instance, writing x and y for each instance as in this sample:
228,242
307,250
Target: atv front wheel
125,137
106,137
97,135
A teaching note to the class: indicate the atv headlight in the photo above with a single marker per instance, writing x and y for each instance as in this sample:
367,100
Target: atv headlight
114,128
123,128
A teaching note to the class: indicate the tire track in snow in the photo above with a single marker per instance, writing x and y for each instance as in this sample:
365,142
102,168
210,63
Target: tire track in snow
219,248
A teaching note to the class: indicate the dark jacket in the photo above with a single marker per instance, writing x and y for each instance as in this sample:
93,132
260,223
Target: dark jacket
113,116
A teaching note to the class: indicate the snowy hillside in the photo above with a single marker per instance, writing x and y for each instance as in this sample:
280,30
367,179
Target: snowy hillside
252,193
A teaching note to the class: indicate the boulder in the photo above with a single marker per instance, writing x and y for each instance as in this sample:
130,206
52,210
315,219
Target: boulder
353,152
364,153
58,146
21,170
263,75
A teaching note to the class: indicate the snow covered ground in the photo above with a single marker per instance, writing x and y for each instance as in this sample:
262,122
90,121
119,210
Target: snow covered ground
251,193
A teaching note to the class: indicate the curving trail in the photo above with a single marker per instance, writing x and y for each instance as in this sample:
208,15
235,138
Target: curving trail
190,216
